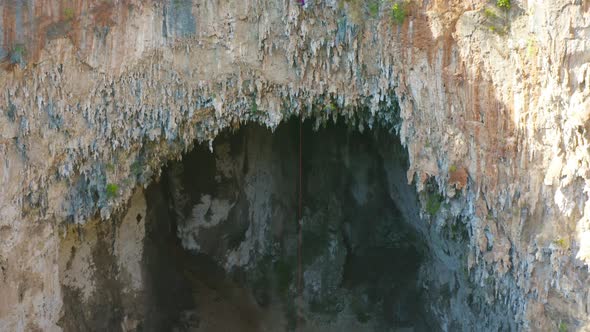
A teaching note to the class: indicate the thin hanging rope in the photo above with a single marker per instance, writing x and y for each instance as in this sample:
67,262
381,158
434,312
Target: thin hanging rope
299,303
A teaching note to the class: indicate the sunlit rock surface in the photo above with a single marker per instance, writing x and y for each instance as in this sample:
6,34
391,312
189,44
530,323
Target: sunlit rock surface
493,111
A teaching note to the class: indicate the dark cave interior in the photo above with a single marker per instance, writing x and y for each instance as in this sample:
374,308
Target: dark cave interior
221,249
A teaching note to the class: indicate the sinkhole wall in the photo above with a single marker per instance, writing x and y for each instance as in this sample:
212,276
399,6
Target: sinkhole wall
214,240
491,104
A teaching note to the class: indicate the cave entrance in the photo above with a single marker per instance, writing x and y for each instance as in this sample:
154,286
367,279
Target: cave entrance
222,234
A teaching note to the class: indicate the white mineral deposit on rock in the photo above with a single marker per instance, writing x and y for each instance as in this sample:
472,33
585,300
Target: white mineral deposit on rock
100,101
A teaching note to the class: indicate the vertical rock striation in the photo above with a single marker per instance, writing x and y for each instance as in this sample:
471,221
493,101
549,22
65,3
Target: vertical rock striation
493,109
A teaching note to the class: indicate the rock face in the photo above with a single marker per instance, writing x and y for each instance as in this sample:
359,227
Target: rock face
491,104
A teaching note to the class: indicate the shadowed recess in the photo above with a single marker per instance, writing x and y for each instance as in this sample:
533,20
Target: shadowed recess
223,235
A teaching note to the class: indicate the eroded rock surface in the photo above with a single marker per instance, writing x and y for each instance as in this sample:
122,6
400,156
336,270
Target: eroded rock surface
493,110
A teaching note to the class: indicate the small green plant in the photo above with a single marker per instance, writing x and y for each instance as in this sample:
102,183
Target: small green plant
504,4
501,30
453,168
561,242
373,7
563,327
330,107
398,12
19,49
136,168
178,3
112,190
433,204
495,21
17,54
254,107
69,14
490,13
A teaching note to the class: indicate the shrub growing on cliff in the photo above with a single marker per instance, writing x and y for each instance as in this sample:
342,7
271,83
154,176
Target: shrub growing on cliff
360,10
504,4
373,7
563,327
495,22
254,107
561,242
17,54
112,190
69,14
490,14
398,12
433,204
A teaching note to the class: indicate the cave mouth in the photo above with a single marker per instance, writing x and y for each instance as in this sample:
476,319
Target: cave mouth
222,234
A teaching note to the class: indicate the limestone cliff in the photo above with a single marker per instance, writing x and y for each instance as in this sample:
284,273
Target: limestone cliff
491,104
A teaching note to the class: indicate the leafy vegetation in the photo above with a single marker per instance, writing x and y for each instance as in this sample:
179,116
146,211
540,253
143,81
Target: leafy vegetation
112,190
361,9
504,4
330,107
563,327
561,242
136,168
179,3
456,230
373,7
17,54
495,22
254,107
399,12
69,14
433,203
490,13
19,49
